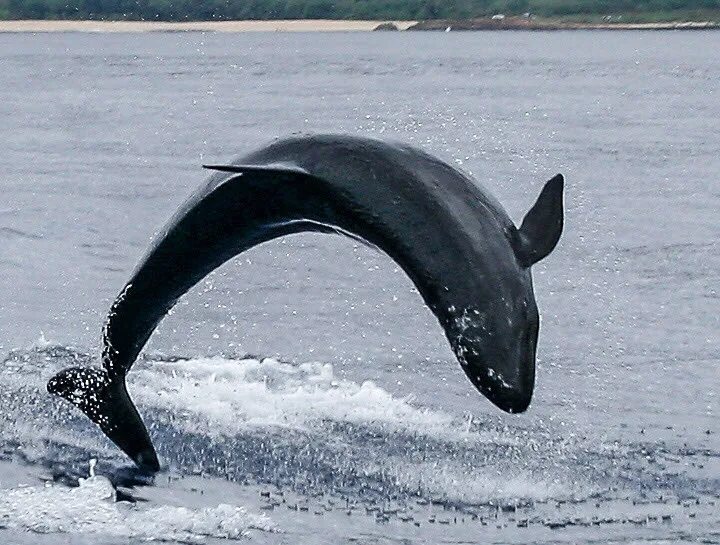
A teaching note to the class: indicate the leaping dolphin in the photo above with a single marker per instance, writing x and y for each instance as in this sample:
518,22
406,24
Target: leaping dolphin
457,244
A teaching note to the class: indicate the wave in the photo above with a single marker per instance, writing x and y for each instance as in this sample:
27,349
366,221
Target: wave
92,508
230,395
301,427
9,232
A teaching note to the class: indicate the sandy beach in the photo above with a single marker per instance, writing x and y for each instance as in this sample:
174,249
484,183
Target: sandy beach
196,26
321,25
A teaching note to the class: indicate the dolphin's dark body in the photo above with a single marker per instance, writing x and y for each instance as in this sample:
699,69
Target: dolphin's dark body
468,260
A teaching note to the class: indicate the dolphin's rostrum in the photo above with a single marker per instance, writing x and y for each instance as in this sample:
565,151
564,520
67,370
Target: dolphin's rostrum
469,262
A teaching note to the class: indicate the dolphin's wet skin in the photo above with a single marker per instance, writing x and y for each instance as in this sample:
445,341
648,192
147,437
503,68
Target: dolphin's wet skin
467,259
307,390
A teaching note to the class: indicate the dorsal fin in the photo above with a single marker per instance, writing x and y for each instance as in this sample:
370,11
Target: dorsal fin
284,168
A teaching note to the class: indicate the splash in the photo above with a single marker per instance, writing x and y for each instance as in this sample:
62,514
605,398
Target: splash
91,508
233,395
295,424
301,427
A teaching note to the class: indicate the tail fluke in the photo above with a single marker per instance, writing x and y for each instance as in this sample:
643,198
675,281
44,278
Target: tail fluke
107,403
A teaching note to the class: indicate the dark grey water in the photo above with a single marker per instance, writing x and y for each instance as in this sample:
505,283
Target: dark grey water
103,137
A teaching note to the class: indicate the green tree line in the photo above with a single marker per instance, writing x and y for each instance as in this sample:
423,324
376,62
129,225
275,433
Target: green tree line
179,10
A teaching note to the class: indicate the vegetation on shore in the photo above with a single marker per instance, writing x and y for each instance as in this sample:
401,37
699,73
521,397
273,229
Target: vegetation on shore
209,10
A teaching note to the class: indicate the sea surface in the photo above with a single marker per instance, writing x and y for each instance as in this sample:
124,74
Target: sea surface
302,393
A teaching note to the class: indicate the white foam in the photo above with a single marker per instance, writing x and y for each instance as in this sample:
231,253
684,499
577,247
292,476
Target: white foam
91,509
218,397
455,482
235,394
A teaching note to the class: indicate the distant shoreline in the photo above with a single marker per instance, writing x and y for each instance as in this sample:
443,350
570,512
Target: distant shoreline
523,23
299,25
322,25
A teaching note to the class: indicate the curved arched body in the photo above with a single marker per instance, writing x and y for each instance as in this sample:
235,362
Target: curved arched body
454,240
